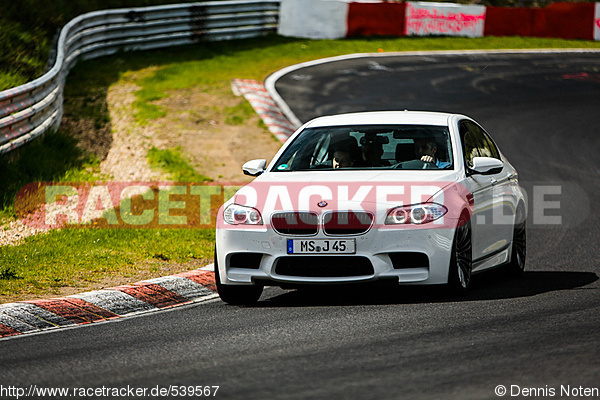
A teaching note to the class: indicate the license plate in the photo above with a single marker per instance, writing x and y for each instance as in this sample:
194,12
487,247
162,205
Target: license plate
321,246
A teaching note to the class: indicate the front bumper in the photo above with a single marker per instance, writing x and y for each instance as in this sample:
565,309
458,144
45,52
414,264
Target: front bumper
381,247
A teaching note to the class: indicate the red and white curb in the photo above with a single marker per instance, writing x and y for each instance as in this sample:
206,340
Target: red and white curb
265,107
108,304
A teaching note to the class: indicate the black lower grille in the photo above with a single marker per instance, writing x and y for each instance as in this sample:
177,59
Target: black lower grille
323,266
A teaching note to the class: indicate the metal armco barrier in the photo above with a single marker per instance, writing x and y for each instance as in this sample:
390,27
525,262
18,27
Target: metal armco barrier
29,110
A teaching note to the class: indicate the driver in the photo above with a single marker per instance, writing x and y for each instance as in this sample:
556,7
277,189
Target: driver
426,149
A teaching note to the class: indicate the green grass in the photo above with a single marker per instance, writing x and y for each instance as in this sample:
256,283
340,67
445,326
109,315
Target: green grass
175,164
54,157
79,257
238,114
74,257
146,110
24,53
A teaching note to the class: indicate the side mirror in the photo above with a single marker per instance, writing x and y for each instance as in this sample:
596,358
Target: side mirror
486,165
254,167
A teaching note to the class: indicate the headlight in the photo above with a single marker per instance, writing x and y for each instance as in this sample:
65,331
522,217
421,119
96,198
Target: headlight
415,214
235,214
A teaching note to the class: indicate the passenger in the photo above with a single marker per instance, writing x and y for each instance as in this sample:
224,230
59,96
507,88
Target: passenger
426,149
342,159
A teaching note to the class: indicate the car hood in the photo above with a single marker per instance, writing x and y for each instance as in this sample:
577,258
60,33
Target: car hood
321,191
430,175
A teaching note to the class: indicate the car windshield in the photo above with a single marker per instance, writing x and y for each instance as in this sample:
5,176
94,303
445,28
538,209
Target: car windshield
408,147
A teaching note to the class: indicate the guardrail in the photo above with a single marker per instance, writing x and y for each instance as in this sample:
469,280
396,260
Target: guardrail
29,110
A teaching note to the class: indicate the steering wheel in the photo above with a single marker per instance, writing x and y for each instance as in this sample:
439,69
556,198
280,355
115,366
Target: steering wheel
415,164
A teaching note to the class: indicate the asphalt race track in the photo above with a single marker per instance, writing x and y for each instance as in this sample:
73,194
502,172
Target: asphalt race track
538,332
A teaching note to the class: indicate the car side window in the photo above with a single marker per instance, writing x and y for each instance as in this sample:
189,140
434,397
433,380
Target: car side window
470,144
489,146
486,145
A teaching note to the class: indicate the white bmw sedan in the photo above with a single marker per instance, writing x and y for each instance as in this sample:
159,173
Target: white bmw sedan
416,198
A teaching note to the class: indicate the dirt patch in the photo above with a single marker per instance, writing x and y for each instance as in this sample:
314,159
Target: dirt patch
92,131
126,159
196,122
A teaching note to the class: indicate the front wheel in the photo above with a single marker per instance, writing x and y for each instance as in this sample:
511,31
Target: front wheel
236,294
461,260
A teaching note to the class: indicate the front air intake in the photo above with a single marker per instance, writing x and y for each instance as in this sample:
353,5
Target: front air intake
245,260
324,266
408,259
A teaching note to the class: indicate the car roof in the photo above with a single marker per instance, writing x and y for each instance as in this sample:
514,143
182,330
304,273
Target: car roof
383,118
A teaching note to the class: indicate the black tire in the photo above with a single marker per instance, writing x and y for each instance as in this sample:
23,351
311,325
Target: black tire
519,246
236,294
461,260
